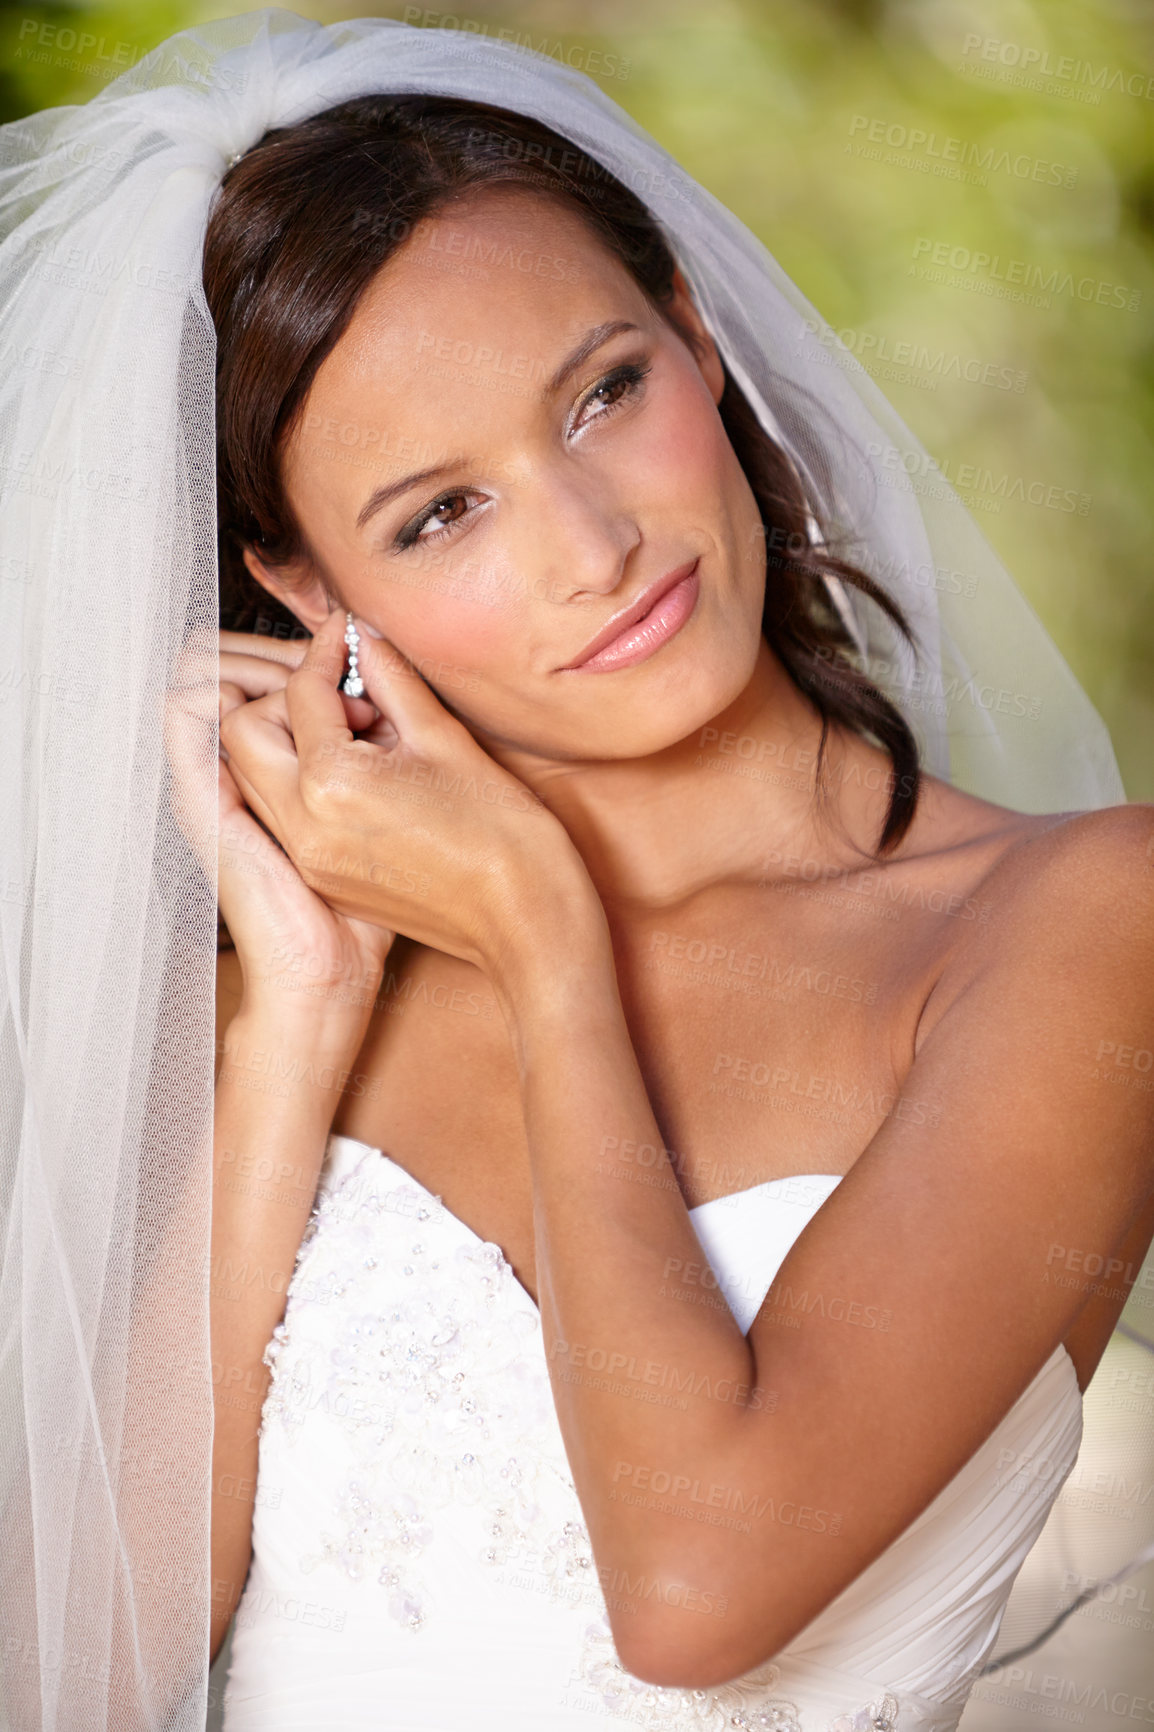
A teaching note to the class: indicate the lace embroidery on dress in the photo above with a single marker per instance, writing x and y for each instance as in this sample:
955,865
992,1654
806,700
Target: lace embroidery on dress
445,1402
743,1705
430,1392
879,1716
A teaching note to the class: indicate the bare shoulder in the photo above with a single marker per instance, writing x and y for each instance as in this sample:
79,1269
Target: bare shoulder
1090,867
1070,901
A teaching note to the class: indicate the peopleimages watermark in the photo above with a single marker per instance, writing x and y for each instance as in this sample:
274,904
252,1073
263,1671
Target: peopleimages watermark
728,960
479,365
1124,1065
453,247
932,691
1014,279
72,50
44,476
918,472
1055,1697
597,61
765,1082
892,569
1138,1391
781,1304
1108,1594
95,56
1031,67
929,152
91,271
635,1375
31,359
259,1604
734,1500
1091,1272
877,352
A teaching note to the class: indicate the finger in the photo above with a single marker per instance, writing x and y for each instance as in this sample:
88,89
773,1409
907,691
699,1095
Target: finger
244,679
397,689
256,675
246,844
231,698
316,710
407,705
230,806
189,735
262,726
262,758
288,652
240,828
254,802
195,665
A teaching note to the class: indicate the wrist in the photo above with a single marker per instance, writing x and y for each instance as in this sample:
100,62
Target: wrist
327,1011
558,954
296,988
293,983
270,1037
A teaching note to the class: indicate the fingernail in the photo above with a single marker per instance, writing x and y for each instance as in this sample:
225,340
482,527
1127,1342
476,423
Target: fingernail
363,625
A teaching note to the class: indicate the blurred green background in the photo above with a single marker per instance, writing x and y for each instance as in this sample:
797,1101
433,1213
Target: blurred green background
862,141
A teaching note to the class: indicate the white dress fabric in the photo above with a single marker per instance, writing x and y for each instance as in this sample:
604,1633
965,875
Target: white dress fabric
420,1560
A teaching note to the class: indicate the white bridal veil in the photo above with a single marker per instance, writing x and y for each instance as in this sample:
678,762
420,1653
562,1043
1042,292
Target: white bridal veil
108,602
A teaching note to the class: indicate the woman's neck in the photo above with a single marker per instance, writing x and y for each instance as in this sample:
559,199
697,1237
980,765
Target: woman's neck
731,801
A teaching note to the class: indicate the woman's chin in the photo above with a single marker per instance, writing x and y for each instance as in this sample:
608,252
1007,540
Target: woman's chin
660,728
634,712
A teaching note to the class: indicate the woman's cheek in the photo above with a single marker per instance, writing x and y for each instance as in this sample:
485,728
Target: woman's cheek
451,628
685,460
678,455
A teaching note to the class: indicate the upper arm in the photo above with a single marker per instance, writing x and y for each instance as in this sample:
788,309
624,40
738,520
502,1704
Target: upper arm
1016,1138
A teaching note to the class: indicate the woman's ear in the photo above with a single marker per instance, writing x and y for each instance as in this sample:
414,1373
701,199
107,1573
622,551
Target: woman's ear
684,316
296,586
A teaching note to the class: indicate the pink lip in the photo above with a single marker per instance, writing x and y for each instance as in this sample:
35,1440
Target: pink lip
639,630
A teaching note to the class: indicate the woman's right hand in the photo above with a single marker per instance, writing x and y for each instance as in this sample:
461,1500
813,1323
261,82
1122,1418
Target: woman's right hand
296,953
310,978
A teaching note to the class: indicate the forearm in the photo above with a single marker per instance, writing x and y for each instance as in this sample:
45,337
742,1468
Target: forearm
638,1378
277,1093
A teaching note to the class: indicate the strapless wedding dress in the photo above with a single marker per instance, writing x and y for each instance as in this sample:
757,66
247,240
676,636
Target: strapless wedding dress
420,1562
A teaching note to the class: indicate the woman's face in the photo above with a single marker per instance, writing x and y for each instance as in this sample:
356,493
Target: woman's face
552,504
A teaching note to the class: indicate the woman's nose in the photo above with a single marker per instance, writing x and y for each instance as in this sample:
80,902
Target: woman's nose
578,540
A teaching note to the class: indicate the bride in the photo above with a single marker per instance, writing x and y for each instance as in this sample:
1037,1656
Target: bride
656,1112
569,637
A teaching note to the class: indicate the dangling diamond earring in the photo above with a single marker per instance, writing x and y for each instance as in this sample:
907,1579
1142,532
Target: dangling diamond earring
352,685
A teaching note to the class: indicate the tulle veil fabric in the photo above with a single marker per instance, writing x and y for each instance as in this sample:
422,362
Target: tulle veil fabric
108,613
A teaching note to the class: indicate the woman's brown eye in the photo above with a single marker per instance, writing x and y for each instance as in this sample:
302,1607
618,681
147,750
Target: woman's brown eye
442,505
415,531
623,382
605,389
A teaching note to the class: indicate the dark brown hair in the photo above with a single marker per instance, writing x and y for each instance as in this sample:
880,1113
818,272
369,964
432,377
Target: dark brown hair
302,224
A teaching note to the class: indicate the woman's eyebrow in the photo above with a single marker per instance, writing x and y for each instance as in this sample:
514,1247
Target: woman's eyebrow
590,342
382,495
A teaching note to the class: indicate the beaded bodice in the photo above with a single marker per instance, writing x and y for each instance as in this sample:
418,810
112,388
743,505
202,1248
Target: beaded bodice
415,1515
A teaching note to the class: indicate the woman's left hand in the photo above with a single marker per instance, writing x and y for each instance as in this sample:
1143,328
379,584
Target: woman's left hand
410,824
